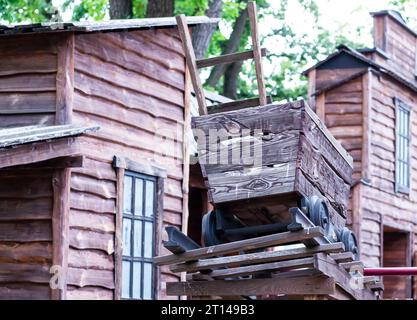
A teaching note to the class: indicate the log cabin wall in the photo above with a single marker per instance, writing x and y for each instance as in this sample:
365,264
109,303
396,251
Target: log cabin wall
132,85
26,198
28,80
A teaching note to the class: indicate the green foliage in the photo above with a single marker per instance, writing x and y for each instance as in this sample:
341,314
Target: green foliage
14,11
88,9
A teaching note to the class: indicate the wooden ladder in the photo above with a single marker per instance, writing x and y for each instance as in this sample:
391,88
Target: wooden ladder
193,65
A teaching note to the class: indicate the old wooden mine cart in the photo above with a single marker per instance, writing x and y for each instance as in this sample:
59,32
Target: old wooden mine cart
280,185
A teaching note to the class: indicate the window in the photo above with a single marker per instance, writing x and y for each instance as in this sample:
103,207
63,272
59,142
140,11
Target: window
402,167
139,211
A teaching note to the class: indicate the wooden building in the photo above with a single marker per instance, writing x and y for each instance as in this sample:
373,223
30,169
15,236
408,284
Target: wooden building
91,156
367,99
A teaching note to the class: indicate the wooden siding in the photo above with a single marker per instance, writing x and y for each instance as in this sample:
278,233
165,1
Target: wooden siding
132,85
28,80
343,118
397,210
26,202
399,44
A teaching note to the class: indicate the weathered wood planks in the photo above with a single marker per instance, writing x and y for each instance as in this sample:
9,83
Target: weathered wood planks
272,151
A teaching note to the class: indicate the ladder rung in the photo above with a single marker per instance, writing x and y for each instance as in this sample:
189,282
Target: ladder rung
228,58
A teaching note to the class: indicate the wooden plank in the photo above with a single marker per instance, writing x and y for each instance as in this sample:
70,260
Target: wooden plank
22,120
89,277
257,54
249,244
321,106
366,123
90,259
29,209
23,154
342,257
65,79
24,272
21,103
118,237
255,182
186,152
26,231
267,267
255,258
312,89
236,105
84,239
19,291
28,62
36,252
31,82
191,63
228,58
89,293
257,287
60,227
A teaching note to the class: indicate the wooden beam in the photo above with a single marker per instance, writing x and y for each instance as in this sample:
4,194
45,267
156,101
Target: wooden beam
254,258
228,58
342,257
320,107
38,151
260,268
191,63
313,285
57,163
186,156
366,124
312,89
118,237
65,79
60,229
236,105
248,244
257,54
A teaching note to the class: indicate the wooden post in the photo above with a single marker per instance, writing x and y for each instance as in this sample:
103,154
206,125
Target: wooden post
257,54
120,173
312,89
186,157
65,79
366,118
191,63
321,107
60,226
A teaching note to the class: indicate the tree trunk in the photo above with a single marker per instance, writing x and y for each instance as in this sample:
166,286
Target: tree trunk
202,33
231,80
231,47
160,8
121,9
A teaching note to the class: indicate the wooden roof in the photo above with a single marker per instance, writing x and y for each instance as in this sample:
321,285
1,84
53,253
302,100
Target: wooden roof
29,134
343,49
93,26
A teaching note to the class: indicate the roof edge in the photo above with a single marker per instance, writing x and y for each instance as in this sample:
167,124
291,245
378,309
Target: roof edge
396,16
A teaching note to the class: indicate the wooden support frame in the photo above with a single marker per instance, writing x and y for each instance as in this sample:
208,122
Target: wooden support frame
236,105
310,285
321,106
65,79
191,63
60,229
366,124
229,58
254,243
121,165
253,19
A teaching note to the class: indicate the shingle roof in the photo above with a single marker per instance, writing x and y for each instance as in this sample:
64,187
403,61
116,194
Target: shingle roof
92,26
28,134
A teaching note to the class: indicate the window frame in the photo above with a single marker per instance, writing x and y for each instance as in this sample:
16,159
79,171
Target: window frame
142,218
121,166
400,106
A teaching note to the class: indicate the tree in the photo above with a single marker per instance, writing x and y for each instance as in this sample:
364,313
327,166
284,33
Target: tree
28,11
160,8
121,9
203,33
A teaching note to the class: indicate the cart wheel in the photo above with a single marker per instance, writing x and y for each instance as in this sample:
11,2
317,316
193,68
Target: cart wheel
348,238
319,214
208,224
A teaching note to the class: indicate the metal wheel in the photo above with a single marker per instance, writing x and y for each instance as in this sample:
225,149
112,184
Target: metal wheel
208,224
319,214
348,238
